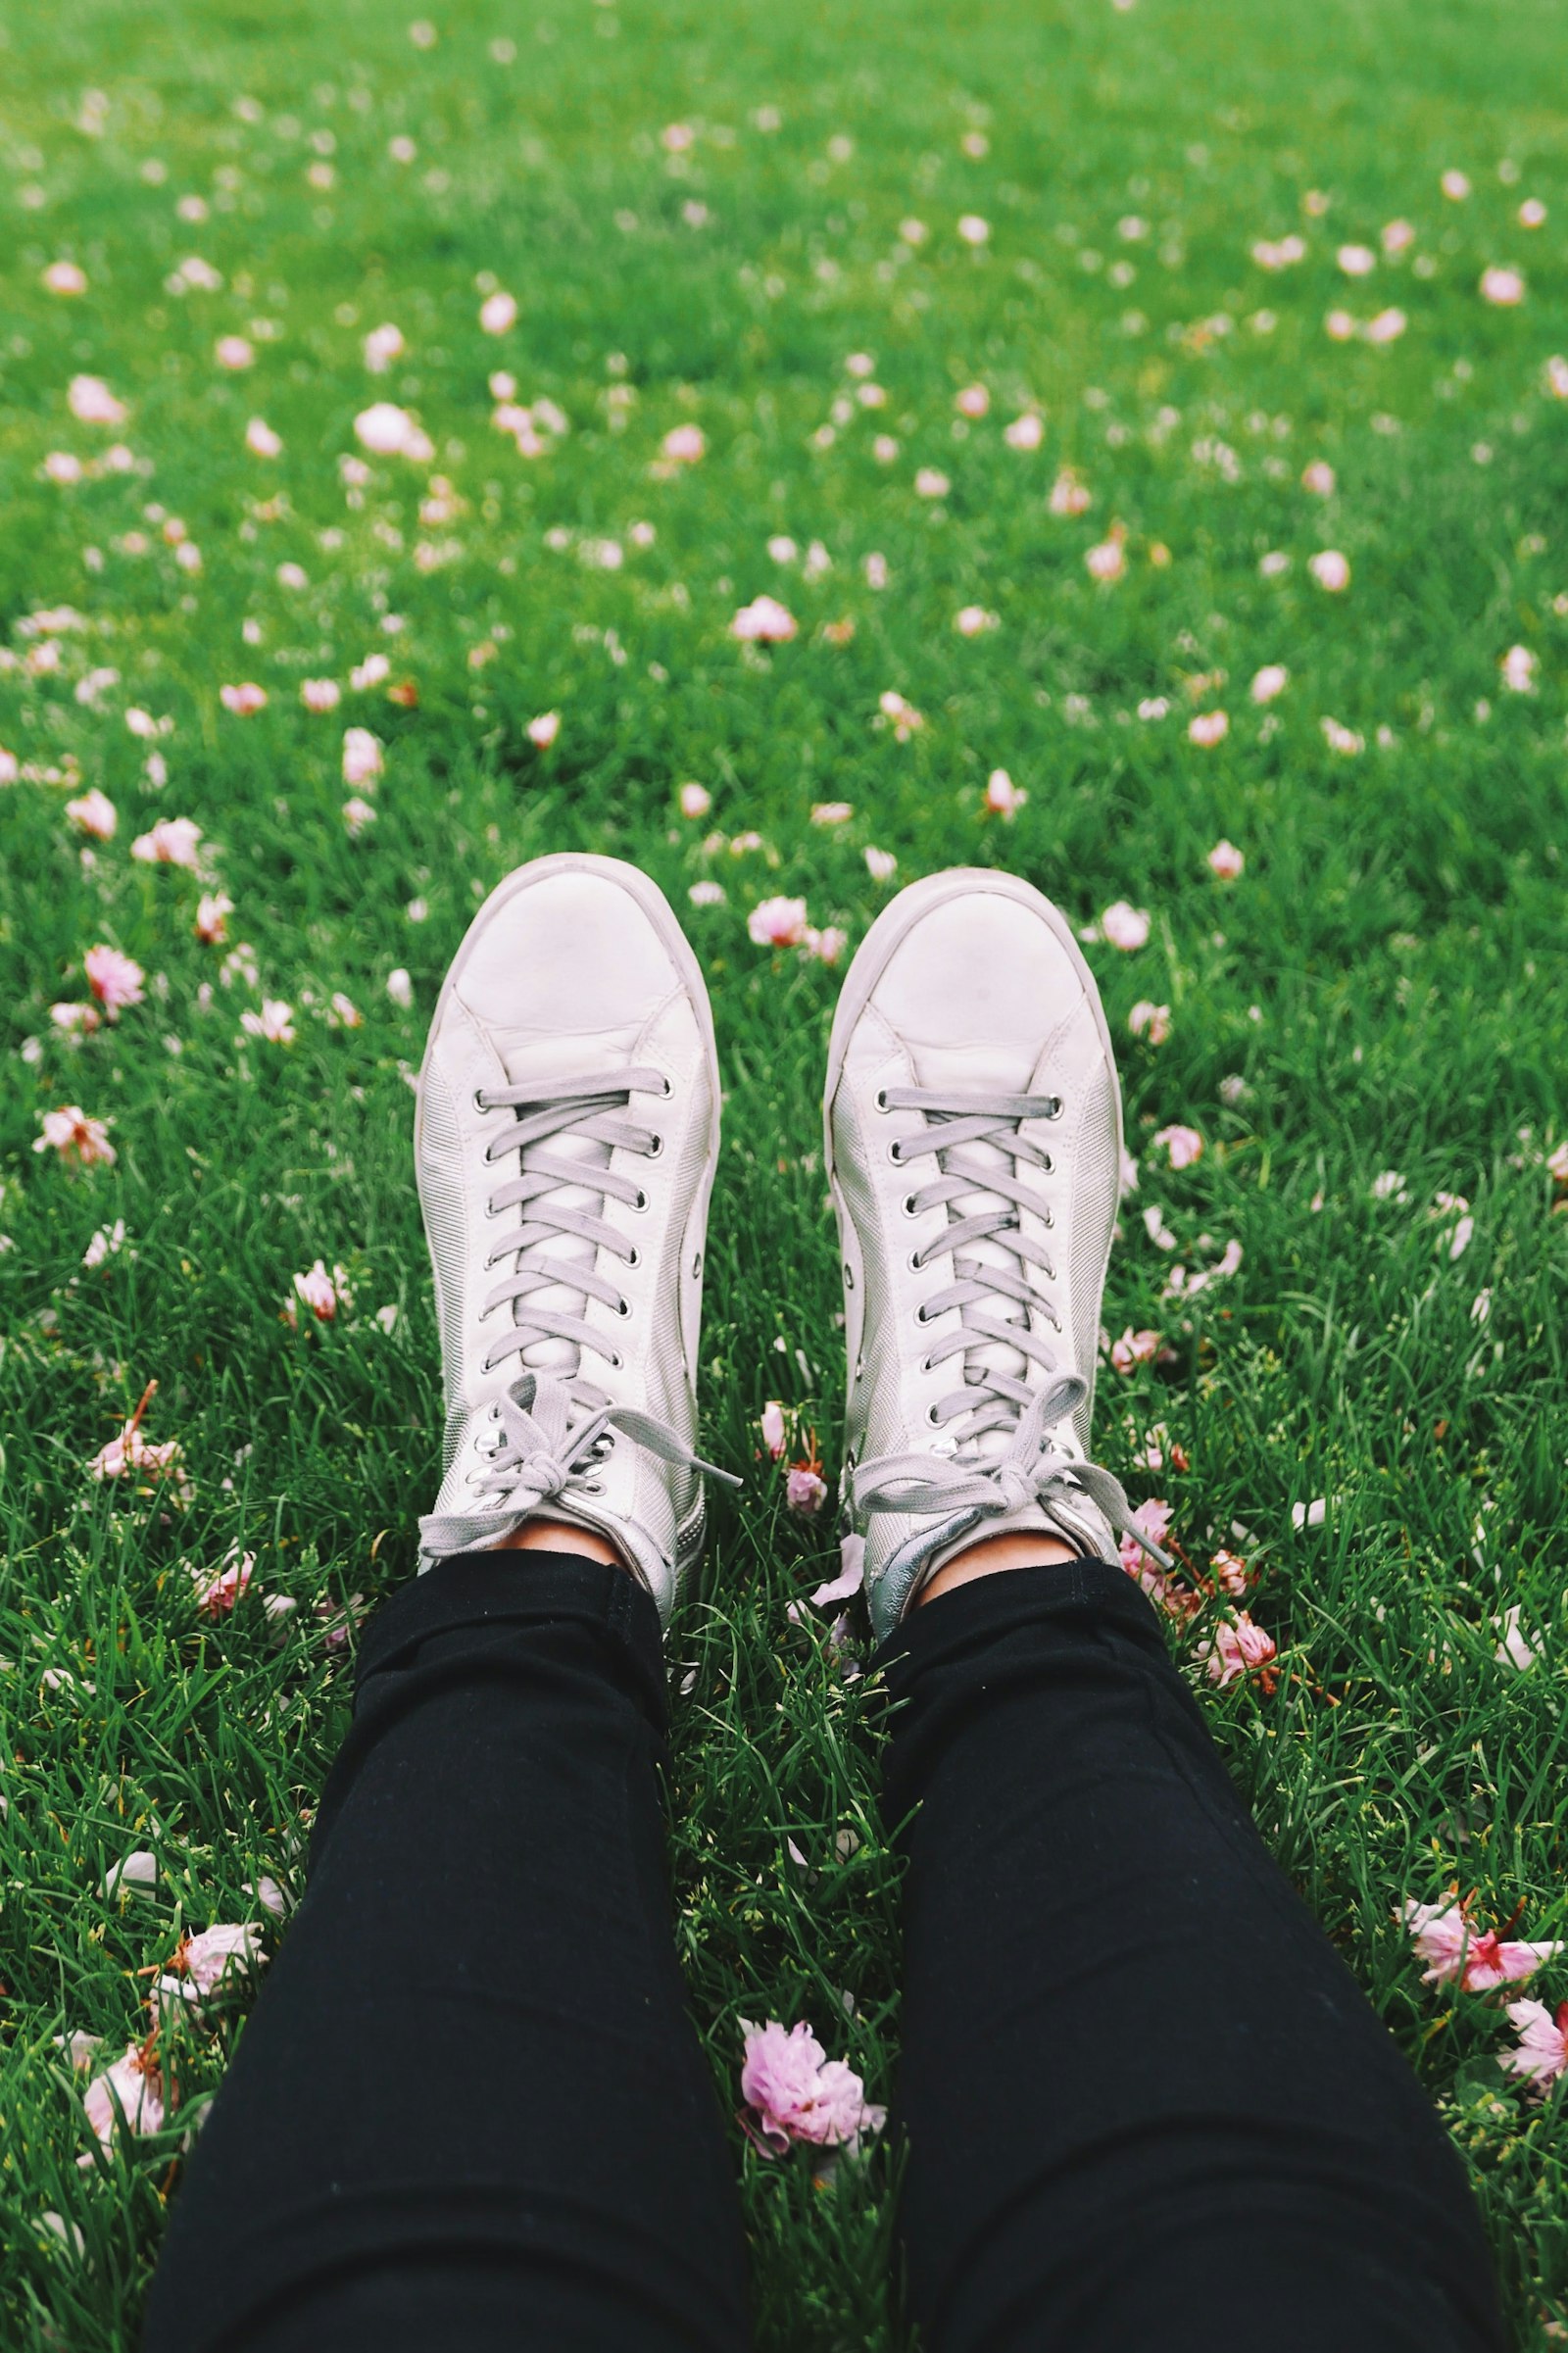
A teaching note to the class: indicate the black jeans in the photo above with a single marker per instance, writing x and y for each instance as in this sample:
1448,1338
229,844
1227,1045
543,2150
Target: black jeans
1146,2103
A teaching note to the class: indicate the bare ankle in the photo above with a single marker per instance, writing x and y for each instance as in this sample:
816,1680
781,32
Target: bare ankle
559,1535
990,1556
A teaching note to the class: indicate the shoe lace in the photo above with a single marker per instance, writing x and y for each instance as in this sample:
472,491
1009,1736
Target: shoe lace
550,1426
1011,1451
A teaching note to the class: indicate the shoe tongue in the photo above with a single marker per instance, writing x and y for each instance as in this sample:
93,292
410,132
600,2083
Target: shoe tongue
988,1066
534,1061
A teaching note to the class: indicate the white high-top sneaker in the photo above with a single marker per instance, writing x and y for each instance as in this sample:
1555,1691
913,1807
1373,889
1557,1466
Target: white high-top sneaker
566,1142
973,1126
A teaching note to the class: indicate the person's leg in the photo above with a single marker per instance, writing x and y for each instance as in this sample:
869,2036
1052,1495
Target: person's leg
469,2108
1146,2103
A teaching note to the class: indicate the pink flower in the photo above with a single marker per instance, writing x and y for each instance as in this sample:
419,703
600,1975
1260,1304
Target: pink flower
1319,478
217,1595
1026,432
74,1137
1503,286
1543,2051
804,1489
931,483
172,842
95,813
1226,861
777,923
389,432
1004,798
1385,327
382,346
973,401
363,759
316,1291
1231,1574
1446,1935
1183,1144
65,277
1069,495
685,444
1330,569
233,352
1357,261
695,800
358,812
972,620
274,1022
202,1963
763,622
1518,667
244,699
73,1018
1149,1020
851,1576
1238,1648
1107,560
131,1452
130,2092
320,694
1153,1518
772,1428
974,229
796,2093
113,979
260,440
1207,728
1125,928
543,731
212,911
1134,1347
498,314
92,402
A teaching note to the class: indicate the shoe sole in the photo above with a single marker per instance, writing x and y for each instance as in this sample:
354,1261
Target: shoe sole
876,953
651,898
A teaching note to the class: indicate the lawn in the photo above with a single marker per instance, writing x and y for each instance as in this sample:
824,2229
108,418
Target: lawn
1162,405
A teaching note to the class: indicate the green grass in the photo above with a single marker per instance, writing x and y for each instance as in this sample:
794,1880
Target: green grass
1383,990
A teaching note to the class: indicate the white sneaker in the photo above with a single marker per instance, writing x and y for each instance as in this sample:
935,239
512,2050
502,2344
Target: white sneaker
973,1126
566,1142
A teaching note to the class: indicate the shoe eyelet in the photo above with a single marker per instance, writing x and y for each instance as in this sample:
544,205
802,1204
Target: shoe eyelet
881,1099
848,1275
925,1364
894,1154
1048,1166
931,1417
640,1203
623,1307
1054,1112
479,1102
909,1209
616,1362
696,1268
656,1145
593,1486
669,1091
634,1257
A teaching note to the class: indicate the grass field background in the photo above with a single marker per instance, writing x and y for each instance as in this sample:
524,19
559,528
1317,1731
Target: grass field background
752,221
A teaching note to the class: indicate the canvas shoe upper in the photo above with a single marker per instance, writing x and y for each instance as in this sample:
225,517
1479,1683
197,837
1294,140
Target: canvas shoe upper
973,1129
565,1143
